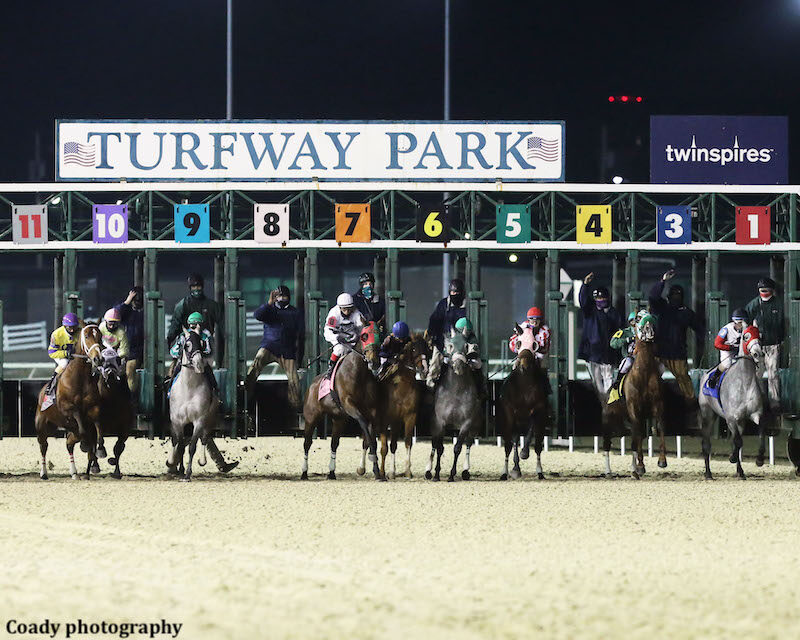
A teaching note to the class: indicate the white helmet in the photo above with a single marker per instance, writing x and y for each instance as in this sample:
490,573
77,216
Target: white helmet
344,300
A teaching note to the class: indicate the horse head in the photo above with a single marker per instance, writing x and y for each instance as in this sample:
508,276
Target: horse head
527,342
458,362
647,329
193,352
417,352
751,344
111,367
90,345
368,340
525,360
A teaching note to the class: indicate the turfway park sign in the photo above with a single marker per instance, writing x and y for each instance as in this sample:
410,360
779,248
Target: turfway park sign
304,150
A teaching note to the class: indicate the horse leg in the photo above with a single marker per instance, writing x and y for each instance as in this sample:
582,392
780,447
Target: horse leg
41,436
362,468
456,451
736,451
607,452
309,429
762,439
410,422
173,459
71,440
538,445
507,446
706,420
336,433
119,447
662,450
101,443
516,472
198,429
465,474
429,467
393,451
384,452
439,452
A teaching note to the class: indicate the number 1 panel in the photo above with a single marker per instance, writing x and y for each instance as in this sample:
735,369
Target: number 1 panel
271,223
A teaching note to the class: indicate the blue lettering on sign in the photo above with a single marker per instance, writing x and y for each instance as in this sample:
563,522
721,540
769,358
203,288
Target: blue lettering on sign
134,140
104,136
433,142
311,153
334,136
505,150
191,151
218,148
476,150
255,158
394,150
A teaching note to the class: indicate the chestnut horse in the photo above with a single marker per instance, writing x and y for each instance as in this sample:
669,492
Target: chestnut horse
358,395
643,400
77,407
401,396
523,410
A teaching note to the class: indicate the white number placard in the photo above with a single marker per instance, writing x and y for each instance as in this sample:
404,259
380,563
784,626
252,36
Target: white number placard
271,223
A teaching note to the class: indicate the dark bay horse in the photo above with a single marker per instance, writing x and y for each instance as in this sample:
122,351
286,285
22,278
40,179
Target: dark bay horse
358,394
77,406
643,400
401,396
457,405
523,410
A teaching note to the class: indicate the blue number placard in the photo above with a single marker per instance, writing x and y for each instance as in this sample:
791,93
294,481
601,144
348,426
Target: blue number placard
674,225
192,223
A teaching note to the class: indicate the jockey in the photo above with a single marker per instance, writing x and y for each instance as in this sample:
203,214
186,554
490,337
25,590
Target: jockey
462,339
727,342
195,323
395,342
62,346
114,336
624,339
541,335
342,329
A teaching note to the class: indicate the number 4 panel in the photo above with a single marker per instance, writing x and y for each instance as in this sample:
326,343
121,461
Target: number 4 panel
271,223
593,224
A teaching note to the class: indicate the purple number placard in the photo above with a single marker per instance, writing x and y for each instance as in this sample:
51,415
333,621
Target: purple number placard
110,223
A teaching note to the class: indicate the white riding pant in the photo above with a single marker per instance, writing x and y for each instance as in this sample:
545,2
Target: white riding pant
626,364
771,362
60,364
725,360
602,376
340,349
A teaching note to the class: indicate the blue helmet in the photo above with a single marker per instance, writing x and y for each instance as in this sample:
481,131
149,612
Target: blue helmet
400,329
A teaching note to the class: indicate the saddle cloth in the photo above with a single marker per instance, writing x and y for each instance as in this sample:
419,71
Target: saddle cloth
326,384
615,395
714,391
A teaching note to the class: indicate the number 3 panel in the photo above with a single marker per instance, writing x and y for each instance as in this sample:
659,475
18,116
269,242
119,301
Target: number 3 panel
593,224
192,223
271,223
674,225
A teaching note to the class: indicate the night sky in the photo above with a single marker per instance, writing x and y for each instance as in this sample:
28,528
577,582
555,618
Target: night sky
380,60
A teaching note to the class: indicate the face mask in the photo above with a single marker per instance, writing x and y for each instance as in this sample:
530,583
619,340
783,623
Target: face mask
456,299
367,291
196,293
136,303
765,296
601,304
283,303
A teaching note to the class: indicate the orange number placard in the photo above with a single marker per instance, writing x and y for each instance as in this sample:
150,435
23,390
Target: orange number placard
353,223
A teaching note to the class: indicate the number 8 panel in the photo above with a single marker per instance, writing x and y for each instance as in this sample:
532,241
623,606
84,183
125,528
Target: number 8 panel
271,223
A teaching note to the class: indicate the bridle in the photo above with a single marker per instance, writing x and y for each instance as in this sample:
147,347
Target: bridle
87,350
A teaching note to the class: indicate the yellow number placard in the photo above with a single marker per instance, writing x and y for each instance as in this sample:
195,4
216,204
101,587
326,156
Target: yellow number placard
593,224
353,223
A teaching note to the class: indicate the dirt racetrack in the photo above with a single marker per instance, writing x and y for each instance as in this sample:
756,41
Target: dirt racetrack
260,554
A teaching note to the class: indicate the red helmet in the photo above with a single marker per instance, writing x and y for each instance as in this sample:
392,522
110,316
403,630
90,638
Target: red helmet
535,312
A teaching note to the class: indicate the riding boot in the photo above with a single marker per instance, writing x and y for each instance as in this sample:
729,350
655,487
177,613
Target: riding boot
713,378
331,365
219,460
50,385
212,380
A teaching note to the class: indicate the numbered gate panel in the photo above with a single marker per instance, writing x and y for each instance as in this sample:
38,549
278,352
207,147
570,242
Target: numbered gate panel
353,223
753,225
29,224
593,224
513,223
433,226
271,223
110,223
674,225
192,223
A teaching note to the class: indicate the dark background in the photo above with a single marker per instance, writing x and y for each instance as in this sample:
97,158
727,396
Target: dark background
376,60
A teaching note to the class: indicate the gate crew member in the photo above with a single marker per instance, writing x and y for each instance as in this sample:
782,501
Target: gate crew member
342,329
371,306
442,322
766,312
283,341
197,302
62,346
674,318
132,313
727,342
600,323
541,336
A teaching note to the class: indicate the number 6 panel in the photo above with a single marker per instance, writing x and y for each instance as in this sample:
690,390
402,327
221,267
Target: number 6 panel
271,223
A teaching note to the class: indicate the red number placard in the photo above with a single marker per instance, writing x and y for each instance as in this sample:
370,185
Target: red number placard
753,225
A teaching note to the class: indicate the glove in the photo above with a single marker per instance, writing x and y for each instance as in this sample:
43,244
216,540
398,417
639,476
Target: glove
70,349
342,339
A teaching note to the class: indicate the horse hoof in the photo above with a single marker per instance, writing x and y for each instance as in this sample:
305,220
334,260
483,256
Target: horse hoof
525,452
742,476
392,475
797,472
541,476
465,475
708,476
331,475
662,464
101,452
409,474
641,470
435,478
734,458
229,466
84,447
117,475
609,476
635,475
186,479
95,467
43,476
173,471
760,461
504,476
361,471
451,479
515,475
304,475
428,475
380,478
75,476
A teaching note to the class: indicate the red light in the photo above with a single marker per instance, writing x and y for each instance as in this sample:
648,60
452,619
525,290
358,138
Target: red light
611,98
624,98
638,98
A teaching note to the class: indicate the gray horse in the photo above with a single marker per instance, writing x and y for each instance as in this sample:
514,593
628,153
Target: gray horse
191,401
741,400
457,405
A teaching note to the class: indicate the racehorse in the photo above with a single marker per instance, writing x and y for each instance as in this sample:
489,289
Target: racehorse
741,399
192,401
401,395
523,409
77,404
116,410
643,400
457,405
354,393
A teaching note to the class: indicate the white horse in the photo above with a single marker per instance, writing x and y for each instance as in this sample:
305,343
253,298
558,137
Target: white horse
191,401
741,399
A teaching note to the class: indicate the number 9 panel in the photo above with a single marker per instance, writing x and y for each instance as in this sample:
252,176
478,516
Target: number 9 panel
271,223
674,225
192,223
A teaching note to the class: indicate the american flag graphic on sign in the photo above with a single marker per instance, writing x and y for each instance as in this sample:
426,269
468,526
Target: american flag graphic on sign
543,149
77,153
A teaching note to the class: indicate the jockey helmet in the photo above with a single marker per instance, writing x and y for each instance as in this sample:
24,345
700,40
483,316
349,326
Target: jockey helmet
112,315
600,292
740,314
643,317
69,320
367,276
195,318
400,330
344,300
631,316
766,283
535,312
463,323
195,280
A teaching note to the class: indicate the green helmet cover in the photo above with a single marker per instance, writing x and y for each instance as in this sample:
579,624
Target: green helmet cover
194,317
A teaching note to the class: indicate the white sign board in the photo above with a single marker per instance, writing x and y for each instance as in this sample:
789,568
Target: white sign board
294,150
271,223
29,224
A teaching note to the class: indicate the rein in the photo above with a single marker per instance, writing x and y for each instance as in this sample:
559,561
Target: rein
87,350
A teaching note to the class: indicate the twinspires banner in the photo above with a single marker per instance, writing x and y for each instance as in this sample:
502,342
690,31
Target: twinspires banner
295,150
719,149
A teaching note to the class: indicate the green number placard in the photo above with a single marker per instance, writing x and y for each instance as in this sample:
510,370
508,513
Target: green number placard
513,223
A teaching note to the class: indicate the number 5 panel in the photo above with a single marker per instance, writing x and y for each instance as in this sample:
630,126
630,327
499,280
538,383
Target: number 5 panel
513,223
271,223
